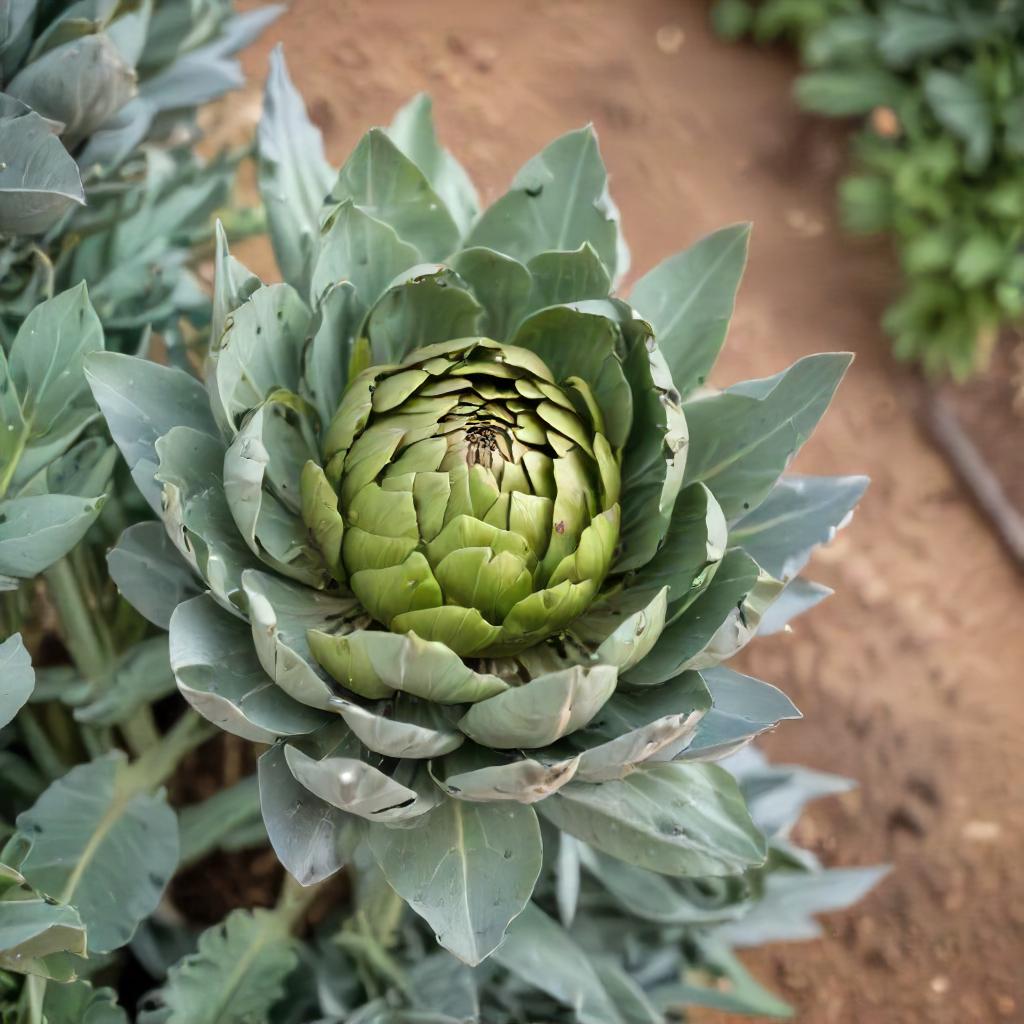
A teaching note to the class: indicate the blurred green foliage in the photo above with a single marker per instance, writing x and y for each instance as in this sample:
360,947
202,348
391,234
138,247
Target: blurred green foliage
939,158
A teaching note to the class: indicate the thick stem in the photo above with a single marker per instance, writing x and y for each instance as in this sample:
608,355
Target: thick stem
157,765
293,901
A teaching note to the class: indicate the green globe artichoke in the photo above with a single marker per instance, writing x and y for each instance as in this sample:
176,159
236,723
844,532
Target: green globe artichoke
464,533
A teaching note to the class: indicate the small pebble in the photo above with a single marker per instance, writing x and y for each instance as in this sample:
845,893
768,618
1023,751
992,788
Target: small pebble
670,38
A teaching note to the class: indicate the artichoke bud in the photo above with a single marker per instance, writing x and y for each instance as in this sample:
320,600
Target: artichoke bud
467,497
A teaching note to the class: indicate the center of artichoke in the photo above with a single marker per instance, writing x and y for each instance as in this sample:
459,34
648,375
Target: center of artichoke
467,496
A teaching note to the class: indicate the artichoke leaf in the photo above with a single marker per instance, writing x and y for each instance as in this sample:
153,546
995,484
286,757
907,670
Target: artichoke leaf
17,678
655,457
259,352
356,787
686,820
798,596
427,305
386,184
374,662
329,355
358,248
560,278
742,708
402,728
557,201
412,131
500,284
689,298
233,284
219,675
475,774
467,868
311,838
282,614
623,627
799,513
541,711
638,726
744,437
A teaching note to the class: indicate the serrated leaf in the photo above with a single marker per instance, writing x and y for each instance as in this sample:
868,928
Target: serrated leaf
236,976
294,176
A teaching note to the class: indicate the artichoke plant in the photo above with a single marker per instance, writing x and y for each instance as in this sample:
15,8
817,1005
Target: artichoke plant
98,101
463,534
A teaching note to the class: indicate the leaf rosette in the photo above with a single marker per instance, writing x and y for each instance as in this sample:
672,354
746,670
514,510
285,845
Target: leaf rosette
461,522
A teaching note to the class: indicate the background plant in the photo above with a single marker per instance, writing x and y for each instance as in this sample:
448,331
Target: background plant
938,159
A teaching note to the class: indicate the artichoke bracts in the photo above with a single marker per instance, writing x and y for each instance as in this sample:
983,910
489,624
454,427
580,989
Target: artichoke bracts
465,533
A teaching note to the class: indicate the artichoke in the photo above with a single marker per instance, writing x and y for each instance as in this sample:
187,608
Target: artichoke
462,534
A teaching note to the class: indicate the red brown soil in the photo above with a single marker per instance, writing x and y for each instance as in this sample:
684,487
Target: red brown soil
909,678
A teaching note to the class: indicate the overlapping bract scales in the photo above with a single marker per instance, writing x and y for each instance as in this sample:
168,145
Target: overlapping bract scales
472,536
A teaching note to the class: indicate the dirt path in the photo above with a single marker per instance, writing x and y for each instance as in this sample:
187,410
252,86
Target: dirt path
909,677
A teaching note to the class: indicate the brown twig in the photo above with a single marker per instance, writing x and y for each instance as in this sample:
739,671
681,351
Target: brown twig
949,434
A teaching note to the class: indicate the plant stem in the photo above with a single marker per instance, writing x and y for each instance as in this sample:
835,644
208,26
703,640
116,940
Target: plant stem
293,901
46,758
157,765
84,634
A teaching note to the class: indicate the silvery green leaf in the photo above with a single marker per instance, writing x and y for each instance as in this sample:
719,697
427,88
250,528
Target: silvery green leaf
16,678
799,513
358,248
84,470
236,976
742,708
45,367
542,710
92,836
233,284
777,794
467,868
624,636
442,985
742,439
196,513
150,573
784,912
655,456
676,819
328,356
39,936
689,299
653,897
37,531
430,305
626,992
540,952
119,135
259,352
311,838
501,285
294,176
356,787
16,40
384,183
141,402
637,726
562,277
218,673
477,775
692,551
141,676
39,181
694,631
79,83
401,728
412,131
211,824
737,992
282,613
80,1003
558,200
567,878
798,596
